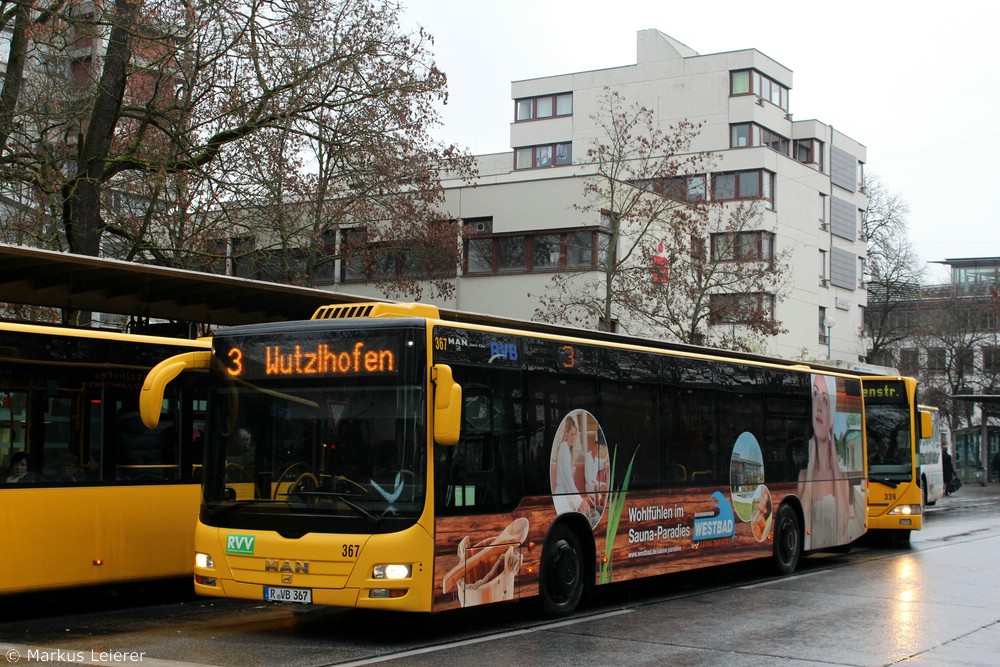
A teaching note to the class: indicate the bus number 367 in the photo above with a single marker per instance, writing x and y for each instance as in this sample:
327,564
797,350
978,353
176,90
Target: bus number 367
351,550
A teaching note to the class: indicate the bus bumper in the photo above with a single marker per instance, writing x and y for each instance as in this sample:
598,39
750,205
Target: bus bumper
898,521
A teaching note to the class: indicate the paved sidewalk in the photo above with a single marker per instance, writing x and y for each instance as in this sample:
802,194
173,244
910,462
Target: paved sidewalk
973,489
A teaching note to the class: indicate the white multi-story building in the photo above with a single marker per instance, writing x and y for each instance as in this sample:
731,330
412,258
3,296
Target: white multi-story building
522,219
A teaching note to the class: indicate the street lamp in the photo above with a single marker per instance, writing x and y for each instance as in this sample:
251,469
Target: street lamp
828,322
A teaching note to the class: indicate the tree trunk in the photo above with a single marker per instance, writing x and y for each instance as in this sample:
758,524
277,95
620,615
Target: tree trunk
14,75
82,194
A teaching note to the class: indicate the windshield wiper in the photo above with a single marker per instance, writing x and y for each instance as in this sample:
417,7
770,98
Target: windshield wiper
344,498
885,480
225,507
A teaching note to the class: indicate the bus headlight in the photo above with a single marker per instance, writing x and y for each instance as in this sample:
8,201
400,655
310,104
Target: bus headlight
204,561
905,510
391,571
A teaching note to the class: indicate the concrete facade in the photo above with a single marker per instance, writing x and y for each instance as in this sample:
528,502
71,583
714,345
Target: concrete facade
814,212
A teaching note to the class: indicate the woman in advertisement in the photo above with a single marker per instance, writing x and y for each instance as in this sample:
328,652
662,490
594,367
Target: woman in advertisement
565,492
823,487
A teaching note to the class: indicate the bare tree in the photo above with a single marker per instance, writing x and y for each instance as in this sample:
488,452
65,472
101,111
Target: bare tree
676,264
956,331
896,272
199,114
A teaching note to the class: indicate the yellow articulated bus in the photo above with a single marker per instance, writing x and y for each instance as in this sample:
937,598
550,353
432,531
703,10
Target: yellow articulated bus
88,495
894,428
388,456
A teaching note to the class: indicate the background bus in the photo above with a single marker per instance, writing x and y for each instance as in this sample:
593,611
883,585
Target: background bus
379,456
931,470
894,427
87,494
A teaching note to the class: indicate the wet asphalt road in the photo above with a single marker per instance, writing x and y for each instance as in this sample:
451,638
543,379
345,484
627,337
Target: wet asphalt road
933,602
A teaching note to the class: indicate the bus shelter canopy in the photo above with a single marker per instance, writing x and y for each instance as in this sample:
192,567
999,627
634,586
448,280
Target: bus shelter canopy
47,278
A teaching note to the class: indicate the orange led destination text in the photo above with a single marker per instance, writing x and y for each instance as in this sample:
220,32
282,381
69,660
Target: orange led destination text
321,360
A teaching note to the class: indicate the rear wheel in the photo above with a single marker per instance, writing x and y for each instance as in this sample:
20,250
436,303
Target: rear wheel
787,540
562,578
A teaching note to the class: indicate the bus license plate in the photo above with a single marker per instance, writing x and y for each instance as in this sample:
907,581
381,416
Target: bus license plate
282,594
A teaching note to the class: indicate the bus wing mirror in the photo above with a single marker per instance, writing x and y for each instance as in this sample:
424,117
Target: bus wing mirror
151,396
447,405
926,424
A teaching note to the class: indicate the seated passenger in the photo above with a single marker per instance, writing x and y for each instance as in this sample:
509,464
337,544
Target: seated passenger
881,455
69,470
19,473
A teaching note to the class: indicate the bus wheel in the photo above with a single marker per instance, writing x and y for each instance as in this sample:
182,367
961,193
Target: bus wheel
787,540
562,572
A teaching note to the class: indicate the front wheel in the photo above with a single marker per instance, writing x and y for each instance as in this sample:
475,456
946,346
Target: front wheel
787,540
562,573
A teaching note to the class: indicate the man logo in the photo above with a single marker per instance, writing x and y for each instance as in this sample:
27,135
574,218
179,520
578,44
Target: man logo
287,566
240,544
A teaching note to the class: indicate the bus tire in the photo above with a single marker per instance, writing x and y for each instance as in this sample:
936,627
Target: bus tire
787,540
562,575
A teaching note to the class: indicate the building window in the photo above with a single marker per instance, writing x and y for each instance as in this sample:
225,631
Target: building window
809,151
743,246
384,261
740,308
510,254
909,360
679,188
752,82
489,254
747,135
936,359
545,155
824,279
964,361
824,337
991,359
543,106
755,184
822,211
479,255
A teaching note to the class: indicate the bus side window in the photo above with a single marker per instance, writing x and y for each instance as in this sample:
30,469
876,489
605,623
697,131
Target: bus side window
140,450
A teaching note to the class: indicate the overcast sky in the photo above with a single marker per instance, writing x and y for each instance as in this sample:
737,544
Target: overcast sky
917,83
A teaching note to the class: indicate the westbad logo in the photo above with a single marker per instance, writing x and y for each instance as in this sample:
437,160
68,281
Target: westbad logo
240,544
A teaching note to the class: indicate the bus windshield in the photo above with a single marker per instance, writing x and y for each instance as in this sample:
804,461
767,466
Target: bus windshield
322,431
890,448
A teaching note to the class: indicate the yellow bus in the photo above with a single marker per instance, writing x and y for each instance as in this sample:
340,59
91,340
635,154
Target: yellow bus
88,495
931,468
894,428
387,456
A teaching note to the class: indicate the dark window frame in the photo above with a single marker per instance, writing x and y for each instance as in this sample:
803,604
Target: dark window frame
760,86
531,250
761,137
396,261
728,308
761,242
552,99
737,194
555,160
